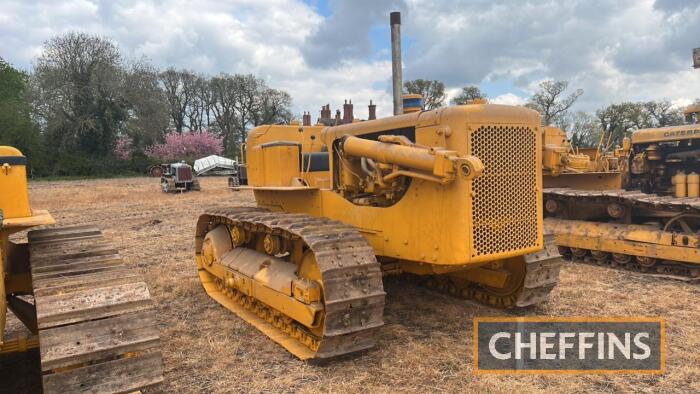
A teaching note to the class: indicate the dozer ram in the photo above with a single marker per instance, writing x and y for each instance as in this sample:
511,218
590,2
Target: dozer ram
453,196
89,314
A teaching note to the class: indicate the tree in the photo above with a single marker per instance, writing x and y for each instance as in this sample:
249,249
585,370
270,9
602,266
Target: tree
663,113
224,110
179,91
550,101
274,107
147,105
433,92
199,113
186,146
16,125
582,128
467,94
78,94
620,119
623,118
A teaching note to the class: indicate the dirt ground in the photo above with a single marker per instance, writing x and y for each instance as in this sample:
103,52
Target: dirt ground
425,344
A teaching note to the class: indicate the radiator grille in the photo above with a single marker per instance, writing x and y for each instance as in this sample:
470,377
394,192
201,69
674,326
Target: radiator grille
184,174
504,207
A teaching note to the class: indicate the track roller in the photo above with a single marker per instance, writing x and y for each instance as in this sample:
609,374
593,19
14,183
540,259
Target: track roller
312,285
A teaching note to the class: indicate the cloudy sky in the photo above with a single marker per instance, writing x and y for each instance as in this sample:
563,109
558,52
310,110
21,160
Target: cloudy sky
324,51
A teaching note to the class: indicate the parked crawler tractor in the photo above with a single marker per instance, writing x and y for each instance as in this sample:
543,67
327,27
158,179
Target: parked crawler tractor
89,314
645,217
178,177
453,196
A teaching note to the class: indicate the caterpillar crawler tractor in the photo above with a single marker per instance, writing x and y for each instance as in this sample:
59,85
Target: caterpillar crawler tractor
453,196
178,177
644,216
91,317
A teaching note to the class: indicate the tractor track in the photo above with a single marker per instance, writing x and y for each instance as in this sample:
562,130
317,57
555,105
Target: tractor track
95,317
353,294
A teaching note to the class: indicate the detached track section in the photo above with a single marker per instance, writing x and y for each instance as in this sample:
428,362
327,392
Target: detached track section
353,292
97,327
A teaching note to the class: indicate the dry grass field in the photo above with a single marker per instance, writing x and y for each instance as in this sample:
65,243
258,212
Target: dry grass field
425,345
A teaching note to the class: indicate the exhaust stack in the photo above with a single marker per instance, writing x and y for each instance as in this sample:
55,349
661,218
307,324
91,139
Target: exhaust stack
397,77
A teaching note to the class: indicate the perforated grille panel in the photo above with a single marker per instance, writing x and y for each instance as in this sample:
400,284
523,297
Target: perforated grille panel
504,207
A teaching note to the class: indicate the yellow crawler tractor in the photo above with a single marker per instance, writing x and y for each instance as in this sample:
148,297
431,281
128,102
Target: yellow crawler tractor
643,216
453,196
90,315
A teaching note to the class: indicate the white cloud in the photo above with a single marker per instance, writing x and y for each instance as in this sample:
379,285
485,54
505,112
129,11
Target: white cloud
509,99
614,49
265,38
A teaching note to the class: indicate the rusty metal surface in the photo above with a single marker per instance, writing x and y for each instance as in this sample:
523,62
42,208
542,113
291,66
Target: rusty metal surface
353,292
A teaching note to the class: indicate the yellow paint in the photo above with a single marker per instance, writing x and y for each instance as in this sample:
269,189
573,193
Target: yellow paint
286,341
18,216
693,180
264,277
585,181
14,198
636,240
587,169
468,221
679,180
661,134
19,344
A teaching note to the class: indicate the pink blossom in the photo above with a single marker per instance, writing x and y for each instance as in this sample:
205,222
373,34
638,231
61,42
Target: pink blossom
123,147
186,146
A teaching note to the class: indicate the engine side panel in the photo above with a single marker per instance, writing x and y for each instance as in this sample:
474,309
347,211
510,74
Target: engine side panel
497,215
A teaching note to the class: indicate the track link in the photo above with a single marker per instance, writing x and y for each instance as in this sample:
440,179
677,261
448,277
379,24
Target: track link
632,199
663,269
541,277
95,316
632,207
353,295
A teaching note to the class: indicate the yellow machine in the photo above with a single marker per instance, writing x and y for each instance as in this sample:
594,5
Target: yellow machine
453,195
654,225
91,316
591,168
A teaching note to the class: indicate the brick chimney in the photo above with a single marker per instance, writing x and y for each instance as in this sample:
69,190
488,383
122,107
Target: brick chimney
337,117
347,112
372,111
306,119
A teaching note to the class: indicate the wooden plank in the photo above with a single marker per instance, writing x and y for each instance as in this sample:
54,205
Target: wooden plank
64,284
58,264
97,340
123,375
91,304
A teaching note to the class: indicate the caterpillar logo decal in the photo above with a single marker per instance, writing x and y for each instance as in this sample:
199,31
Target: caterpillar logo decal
682,133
